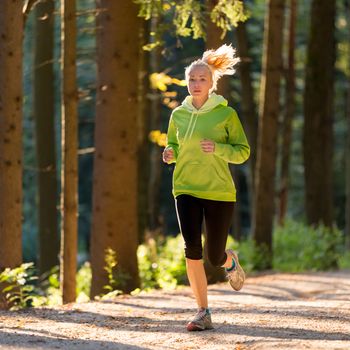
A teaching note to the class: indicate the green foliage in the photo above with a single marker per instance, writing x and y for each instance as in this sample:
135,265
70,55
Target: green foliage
298,247
18,292
84,281
227,14
21,293
344,260
252,257
117,278
188,17
184,11
149,8
151,46
162,263
343,45
48,291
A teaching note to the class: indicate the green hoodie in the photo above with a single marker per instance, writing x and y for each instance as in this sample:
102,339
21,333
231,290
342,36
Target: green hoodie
200,174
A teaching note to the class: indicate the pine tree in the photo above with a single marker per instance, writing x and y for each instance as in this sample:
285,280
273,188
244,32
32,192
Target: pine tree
318,113
45,135
69,172
115,201
288,114
268,124
11,24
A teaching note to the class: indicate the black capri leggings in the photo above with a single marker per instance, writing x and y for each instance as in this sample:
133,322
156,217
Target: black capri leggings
218,216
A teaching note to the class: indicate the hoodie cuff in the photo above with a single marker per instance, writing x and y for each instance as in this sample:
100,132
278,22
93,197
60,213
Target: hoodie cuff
219,149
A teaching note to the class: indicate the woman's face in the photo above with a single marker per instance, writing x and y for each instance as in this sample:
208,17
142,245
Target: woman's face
199,82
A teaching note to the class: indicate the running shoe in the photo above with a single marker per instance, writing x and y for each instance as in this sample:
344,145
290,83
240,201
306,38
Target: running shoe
201,321
235,275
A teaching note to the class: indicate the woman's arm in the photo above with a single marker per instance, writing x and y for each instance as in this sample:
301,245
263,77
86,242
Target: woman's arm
237,149
172,142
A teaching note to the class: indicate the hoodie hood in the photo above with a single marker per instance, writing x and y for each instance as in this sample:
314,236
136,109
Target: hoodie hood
213,101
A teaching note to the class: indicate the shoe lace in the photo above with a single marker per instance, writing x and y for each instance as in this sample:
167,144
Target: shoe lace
200,316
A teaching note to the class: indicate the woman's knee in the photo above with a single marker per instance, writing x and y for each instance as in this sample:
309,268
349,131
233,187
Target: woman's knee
193,253
217,260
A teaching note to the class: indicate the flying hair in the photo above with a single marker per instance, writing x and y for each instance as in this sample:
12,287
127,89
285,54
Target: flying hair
219,62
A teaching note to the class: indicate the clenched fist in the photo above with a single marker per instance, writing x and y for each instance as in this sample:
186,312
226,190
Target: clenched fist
208,146
168,155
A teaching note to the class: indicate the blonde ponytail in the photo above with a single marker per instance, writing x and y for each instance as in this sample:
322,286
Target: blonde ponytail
220,62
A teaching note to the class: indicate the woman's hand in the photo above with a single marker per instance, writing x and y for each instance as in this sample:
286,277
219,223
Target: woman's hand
168,155
208,146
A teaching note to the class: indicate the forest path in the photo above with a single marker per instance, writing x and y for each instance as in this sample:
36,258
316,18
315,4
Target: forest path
276,311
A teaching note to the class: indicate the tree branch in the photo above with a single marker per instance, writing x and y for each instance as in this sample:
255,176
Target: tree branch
27,7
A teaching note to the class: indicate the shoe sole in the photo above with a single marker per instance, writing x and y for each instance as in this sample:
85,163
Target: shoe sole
240,273
191,327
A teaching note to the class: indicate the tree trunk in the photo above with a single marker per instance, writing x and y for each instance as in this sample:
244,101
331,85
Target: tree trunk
115,202
143,116
347,179
347,152
268,123
318,110
248,106
45,135
288,115
11,24
155,161
214,41
249,112
69,172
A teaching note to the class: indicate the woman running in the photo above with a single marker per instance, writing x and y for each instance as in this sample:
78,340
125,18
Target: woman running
204,135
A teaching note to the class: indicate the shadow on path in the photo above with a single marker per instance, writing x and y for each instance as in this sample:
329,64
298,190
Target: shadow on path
33,341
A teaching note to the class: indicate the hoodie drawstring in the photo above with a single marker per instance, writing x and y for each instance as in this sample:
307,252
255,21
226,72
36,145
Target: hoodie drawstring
194,125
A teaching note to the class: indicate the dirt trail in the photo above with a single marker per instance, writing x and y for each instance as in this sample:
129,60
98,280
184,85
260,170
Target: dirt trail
279,311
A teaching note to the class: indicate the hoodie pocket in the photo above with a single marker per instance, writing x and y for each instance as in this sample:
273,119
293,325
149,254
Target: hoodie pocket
217,173
191,175
200,177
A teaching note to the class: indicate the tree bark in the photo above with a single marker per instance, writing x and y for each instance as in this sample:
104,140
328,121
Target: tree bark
155,159
69,171
268,123
45,135
318,110
143,132
248,106
115,201
347,152
11,36
288,115
214,41
249,112
347,179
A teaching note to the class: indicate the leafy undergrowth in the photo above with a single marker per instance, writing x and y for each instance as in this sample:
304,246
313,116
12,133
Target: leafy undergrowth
296,247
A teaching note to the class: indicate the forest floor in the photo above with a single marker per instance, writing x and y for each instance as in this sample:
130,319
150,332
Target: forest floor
272,311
